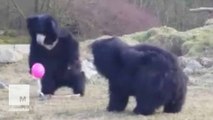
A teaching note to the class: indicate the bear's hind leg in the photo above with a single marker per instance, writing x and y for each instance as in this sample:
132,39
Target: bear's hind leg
117,102
77,82
146,105
175,105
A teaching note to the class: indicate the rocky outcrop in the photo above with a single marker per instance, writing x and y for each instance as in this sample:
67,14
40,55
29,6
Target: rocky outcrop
9,55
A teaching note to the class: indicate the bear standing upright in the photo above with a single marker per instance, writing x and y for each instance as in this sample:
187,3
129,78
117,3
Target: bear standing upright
57,50
150,74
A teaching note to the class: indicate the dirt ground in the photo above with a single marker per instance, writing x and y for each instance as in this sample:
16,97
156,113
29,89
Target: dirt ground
199,102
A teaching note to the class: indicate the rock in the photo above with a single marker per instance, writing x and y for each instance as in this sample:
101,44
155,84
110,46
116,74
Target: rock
2,32
163,37
9,55
209,22
2,85
190,65
22,48
182,61
206,62
188,71
89,69
194,42
103,37
171,43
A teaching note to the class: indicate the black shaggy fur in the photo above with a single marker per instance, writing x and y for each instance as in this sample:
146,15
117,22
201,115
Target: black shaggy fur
148,73
62,64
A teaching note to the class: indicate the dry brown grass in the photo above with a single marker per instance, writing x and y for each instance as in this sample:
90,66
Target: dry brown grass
199,102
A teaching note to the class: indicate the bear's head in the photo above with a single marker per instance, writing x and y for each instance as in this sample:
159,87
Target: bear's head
44,30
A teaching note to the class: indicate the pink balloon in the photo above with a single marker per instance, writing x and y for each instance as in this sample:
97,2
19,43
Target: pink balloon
38,70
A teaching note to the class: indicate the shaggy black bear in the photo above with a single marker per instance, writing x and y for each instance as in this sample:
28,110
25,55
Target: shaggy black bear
150,74
58,51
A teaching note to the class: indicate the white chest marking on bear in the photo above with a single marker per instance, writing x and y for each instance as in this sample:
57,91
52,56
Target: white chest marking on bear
50,47
40,40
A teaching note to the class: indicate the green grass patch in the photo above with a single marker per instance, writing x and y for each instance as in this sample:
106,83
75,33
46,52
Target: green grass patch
14,40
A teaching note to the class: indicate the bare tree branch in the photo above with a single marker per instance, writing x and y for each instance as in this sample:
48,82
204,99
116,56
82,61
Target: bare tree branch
202,9
68,5
19,9
42,5
47,6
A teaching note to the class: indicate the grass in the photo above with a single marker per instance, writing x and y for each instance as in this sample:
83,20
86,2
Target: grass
14,40
199,102
199,105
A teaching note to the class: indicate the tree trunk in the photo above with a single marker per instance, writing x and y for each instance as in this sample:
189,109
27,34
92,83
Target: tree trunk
36,9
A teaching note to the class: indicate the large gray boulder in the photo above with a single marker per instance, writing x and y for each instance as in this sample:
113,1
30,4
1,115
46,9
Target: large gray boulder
206,62
209,22
9,55
190,65
89,69
3,85
22,48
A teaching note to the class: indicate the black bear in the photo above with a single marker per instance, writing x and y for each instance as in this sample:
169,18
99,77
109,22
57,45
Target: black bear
150,74
58,51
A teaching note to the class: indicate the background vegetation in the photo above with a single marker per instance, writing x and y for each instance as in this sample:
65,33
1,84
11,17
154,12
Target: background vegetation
91,18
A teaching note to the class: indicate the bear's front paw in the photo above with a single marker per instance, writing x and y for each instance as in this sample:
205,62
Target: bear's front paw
43,97
143,111
114,109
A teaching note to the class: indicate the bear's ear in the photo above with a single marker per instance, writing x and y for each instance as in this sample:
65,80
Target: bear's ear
52,25
31,22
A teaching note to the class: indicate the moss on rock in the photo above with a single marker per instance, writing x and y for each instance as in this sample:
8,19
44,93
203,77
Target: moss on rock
195,42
